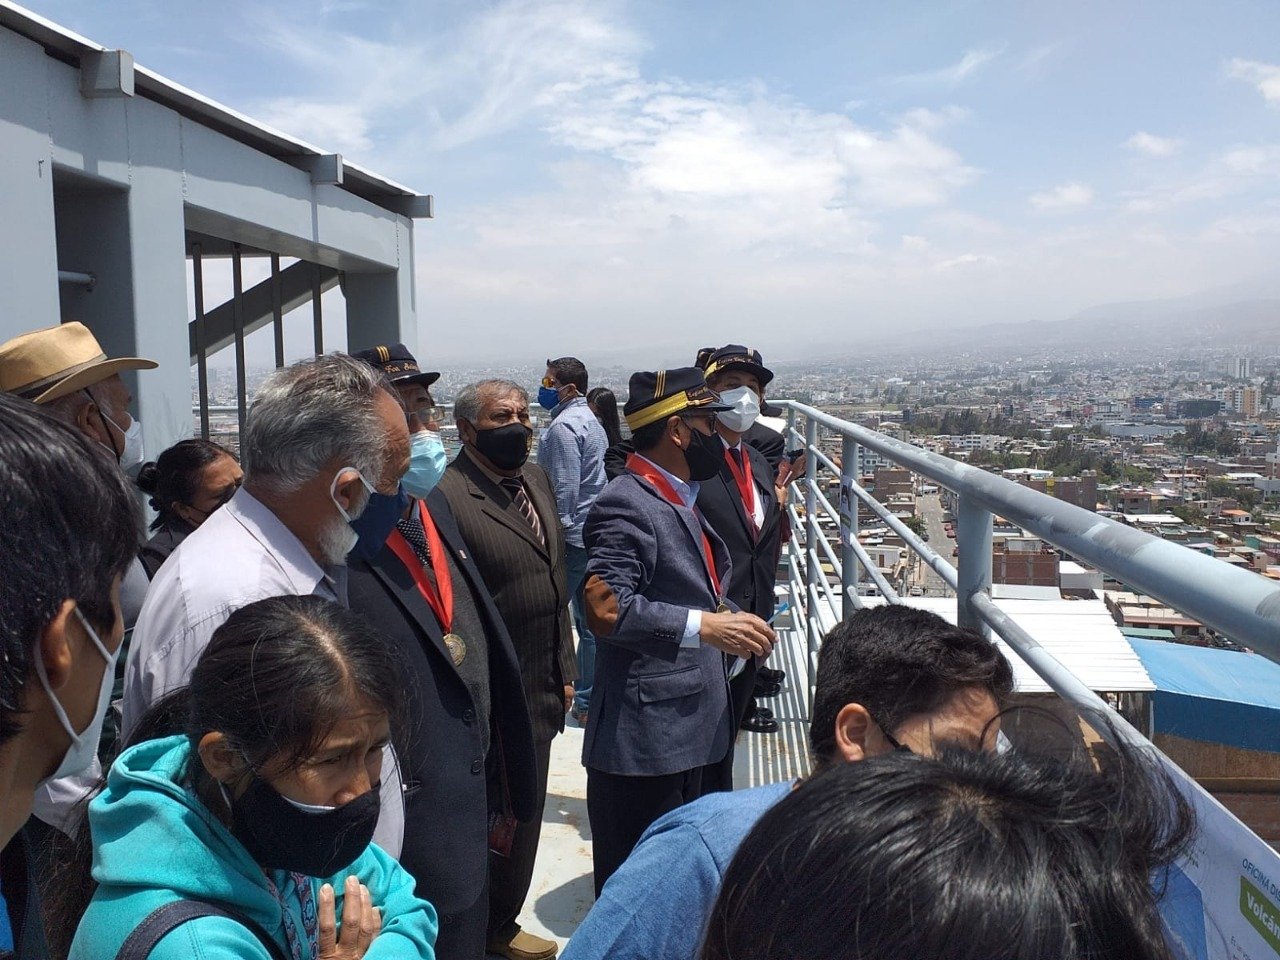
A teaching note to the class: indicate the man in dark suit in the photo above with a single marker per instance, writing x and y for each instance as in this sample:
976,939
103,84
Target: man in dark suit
469,762
655,599
741,505
507,514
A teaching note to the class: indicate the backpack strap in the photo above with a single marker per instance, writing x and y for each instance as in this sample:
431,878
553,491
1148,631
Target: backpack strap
166,918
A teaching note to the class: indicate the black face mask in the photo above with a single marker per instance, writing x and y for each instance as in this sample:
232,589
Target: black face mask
704,455
507,447
282,836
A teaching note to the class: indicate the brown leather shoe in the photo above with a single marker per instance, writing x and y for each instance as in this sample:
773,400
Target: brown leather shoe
525,946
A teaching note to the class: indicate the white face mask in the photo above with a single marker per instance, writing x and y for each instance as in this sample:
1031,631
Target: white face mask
84,745
746,408
132,455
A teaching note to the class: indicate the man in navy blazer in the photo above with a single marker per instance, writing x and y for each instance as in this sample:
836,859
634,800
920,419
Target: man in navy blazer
656,575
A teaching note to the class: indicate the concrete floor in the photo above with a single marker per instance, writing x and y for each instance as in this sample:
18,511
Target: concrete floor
562,888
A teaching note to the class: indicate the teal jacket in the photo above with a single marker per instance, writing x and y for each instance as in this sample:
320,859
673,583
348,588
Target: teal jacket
154,841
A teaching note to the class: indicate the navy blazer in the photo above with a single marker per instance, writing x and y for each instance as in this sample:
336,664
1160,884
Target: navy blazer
656,707
449,787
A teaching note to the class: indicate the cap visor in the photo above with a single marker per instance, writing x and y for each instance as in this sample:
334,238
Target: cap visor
94,374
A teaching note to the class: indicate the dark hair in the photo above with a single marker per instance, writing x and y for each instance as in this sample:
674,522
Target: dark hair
569,370
71,527
176,475
897,662
966,856
605,405
275,679
649,436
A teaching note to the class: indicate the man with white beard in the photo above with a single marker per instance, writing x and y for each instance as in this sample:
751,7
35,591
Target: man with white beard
324,447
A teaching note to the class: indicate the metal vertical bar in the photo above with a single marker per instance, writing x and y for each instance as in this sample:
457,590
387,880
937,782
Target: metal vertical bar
237,315
848,527
973,536
277,310
317,318
202,360
813,569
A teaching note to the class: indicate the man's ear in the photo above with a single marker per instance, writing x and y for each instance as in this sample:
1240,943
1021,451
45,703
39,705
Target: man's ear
852,724
54,647
673,423
346,490
466,432
219,758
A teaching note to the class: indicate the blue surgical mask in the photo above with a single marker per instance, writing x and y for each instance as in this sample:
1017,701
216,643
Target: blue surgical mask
426,464
548,398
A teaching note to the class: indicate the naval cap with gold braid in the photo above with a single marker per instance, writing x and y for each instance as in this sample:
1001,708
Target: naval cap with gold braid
656,395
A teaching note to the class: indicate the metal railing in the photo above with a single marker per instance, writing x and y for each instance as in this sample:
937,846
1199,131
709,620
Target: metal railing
1240,604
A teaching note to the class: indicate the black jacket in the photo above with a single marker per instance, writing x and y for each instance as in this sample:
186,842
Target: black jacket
22,897
449,787
525,578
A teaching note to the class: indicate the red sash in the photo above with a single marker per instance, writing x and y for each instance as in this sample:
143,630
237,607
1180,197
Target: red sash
746,485
643,468
439,595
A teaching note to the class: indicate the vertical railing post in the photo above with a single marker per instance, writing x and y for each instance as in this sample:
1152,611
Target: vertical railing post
202,357
813,569
317,312
973,540
237,315
849,570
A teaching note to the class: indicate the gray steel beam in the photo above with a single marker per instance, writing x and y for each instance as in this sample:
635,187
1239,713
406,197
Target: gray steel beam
1237,603
848,527
973,579
106,73
295,290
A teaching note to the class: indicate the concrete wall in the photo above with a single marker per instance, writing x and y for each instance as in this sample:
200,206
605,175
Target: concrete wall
110,187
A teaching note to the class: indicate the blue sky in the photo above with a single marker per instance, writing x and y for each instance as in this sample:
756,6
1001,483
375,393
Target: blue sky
614,176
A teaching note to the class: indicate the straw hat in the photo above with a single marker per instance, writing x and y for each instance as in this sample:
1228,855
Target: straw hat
46,365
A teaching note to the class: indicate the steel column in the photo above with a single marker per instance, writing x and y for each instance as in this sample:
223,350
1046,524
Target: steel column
277,310
237,308
317,317
973,538
202,360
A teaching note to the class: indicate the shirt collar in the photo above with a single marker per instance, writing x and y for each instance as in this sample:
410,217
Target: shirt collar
299,567
727,444
686,490
564,405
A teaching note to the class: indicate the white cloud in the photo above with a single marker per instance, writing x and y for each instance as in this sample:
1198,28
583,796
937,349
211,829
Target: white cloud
1150,145
970,63
1264,76
967,260
1066,196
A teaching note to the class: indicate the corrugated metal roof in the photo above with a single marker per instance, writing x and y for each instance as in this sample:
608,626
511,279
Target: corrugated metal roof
70,47
1080,634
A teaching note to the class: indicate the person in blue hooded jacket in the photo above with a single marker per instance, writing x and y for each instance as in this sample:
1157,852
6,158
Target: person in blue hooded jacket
265,805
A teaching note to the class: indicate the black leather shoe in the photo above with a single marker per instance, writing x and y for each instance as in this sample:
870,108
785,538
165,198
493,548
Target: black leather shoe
770,675
758,724
766,690
764,712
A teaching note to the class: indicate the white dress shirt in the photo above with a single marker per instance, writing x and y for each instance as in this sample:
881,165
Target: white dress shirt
241,554
757,502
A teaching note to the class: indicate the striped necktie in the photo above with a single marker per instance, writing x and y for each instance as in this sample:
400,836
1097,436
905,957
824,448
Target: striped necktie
515,487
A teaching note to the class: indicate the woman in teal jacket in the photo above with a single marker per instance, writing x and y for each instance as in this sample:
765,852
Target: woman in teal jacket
266,805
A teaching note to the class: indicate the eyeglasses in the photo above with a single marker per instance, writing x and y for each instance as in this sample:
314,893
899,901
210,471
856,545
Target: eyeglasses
549,382
427,414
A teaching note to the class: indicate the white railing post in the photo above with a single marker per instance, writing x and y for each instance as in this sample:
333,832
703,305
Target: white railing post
973,540
848,527
813,568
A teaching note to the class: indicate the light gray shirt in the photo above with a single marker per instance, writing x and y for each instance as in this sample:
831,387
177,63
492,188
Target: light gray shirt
241,554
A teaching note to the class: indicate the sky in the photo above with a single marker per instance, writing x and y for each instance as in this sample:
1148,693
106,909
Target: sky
617,177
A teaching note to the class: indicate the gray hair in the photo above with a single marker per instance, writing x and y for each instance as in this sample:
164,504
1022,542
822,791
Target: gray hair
467,404
310,414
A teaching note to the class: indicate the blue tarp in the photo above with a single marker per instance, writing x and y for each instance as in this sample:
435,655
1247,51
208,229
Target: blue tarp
1219,696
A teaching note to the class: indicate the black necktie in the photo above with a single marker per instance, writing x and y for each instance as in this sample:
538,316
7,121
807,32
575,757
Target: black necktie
515,487
413,531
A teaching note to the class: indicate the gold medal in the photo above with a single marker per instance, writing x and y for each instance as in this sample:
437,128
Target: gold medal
456,647
723,608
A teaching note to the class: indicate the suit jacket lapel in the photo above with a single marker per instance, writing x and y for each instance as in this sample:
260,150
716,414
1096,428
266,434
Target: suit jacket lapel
735,497
488,492
399,583
693,522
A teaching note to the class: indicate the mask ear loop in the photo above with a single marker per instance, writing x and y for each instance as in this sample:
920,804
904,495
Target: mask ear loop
107,420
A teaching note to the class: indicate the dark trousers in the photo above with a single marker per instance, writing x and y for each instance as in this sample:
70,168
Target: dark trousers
462,935
510,877
719,776
622,807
